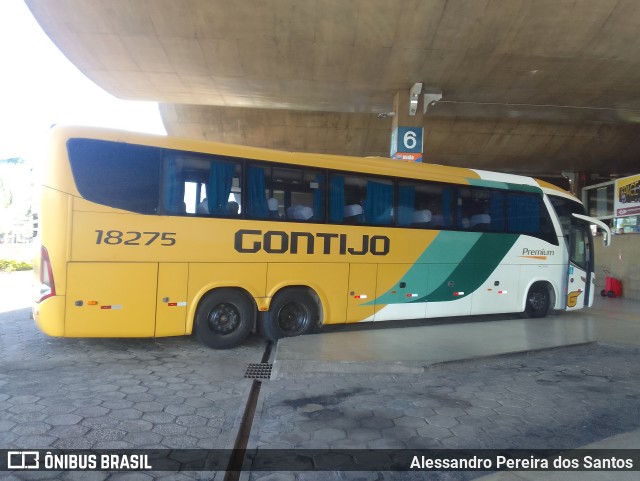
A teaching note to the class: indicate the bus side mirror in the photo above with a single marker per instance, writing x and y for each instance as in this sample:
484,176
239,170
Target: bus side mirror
598,223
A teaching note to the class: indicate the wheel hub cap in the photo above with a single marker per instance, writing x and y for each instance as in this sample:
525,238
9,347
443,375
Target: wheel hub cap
224,319
292,318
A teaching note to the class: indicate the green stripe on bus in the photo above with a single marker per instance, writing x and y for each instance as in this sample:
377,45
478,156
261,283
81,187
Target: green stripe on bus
481,260
504,185
468,258
488,183
447,250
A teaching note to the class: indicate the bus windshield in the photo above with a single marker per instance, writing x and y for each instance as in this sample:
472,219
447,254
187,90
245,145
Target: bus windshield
564,208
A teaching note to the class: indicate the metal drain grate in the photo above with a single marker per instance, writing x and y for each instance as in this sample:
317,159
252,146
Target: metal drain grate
258,371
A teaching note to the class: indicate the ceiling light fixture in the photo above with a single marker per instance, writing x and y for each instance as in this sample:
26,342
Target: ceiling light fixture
414,97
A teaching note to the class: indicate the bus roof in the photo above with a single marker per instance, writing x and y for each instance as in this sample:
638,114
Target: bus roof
368,165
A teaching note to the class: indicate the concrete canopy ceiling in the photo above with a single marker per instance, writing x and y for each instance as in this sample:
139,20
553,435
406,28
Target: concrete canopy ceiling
535,86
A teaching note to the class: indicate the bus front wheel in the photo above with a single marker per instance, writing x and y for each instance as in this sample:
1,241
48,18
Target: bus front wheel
293,312
224,318
538,301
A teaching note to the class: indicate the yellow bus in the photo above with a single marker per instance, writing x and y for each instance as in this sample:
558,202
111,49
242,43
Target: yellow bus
148,236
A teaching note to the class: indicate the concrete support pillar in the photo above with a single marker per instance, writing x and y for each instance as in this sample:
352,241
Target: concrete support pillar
407,130
581,181
401,115
577,180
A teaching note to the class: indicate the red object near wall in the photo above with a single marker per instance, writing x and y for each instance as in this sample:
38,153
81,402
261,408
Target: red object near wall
612,286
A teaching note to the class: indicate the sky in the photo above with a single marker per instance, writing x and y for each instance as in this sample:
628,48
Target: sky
39,87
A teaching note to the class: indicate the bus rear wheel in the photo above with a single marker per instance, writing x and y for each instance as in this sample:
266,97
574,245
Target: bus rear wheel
293,312
224,318
538,301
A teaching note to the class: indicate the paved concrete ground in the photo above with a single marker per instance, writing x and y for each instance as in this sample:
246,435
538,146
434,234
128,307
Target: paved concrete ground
106,393
560,398
115,393
413,347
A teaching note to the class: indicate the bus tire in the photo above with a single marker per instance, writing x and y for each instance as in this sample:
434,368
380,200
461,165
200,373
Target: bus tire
224,318
538,301
293,312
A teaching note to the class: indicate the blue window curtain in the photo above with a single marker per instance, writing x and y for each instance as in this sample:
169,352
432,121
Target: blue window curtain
524,213
378,204
318,199
496,210
336,198
219,187
256,195
173,188
406,204
447,206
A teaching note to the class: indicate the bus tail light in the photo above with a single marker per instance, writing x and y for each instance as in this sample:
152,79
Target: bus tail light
47,286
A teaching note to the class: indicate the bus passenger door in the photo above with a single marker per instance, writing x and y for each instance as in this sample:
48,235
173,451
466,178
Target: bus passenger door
580,276
171,302
362,292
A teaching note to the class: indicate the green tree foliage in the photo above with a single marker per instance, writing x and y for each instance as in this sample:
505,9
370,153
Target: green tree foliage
7,265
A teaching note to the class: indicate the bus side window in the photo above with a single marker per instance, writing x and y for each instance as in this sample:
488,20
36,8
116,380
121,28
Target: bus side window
439,201
200,184
364,200
485,208
354,193
425,204
296,194
496,210
120,175
353,214
523,213
528,215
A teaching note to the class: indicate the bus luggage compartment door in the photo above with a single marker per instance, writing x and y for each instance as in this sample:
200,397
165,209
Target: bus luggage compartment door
401,291
111,299
171,303
499,292
362,290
